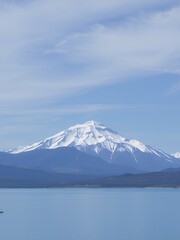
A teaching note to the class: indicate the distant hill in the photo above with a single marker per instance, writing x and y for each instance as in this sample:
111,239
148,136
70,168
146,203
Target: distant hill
157,179
13,177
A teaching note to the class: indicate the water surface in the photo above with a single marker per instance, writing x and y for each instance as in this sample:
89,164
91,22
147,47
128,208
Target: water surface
90,214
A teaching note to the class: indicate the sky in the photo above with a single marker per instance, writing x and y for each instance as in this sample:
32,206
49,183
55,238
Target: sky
70,61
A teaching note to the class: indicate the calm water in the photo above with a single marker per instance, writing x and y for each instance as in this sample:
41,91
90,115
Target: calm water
90,214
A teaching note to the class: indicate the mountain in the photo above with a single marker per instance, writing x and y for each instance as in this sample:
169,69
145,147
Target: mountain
64,160
97,140
154,179
19,177
176,155
13,177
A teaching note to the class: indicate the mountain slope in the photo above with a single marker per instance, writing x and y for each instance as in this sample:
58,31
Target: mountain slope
97,140
67,160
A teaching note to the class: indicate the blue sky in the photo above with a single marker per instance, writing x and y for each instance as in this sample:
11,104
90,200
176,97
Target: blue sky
67,62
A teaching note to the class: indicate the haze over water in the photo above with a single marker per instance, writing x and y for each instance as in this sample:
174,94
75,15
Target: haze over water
89,214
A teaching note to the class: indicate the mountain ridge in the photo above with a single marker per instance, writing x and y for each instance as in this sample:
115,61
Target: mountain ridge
98,140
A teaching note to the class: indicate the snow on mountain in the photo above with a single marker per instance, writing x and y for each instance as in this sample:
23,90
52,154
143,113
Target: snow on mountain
89,134
176,155
80,136
96,139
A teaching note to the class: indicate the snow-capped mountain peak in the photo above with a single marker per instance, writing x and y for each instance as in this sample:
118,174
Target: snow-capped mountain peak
91,123
176,155
96,139
91,134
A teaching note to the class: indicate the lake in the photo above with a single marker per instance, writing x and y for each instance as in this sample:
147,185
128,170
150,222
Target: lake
90,214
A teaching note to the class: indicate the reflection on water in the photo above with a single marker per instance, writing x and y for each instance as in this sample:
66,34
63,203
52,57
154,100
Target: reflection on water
89,214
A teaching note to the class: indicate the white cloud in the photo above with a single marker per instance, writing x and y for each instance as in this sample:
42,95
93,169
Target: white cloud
101,53
52,49
150,43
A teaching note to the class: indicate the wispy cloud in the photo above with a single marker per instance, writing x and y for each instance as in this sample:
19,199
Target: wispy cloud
91,54
175,88
147,43
36,113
